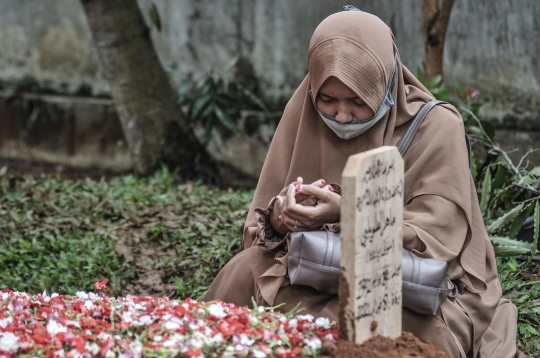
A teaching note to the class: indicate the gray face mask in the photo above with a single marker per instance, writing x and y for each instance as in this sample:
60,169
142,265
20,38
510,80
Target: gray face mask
356,127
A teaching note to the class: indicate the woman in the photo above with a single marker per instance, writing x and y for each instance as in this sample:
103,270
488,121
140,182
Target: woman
358,96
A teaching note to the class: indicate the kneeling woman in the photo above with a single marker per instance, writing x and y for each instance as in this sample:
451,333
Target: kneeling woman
358,96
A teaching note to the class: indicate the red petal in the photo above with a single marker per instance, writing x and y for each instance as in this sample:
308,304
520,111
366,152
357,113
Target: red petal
100,285
194,352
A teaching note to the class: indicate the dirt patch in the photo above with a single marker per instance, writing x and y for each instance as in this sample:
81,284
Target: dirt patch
531,273
406,346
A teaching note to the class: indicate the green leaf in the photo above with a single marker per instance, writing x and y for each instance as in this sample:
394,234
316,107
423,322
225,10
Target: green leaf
507,242
520,219
232,62
435,81
527,180
199,105
154,15
208,129
510,251
536,229
420,75
505,219
252,97
184,87
475,130
226,120
486,192
535,171
498,181
474,166
488,128
460,89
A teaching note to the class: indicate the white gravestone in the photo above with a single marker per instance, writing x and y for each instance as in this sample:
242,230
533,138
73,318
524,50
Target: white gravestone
371,244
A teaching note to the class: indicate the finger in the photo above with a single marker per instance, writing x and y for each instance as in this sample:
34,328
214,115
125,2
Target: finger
293,225
323,193
278,204
299,180
301,197
290,200
319,183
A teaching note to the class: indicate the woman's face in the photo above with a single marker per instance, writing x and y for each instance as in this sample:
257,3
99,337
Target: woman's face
337,100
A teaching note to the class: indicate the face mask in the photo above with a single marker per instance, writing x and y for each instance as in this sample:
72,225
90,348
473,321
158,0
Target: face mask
356,127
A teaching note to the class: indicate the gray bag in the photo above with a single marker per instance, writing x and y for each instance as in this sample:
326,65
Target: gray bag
314,260
314,256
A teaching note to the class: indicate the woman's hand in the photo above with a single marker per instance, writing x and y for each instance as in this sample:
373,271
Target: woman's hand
297,217
303,199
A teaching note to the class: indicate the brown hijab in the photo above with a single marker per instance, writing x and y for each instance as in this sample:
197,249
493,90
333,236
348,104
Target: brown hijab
359,49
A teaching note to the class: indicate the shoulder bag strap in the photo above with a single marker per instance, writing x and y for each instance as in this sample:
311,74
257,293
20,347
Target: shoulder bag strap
408,137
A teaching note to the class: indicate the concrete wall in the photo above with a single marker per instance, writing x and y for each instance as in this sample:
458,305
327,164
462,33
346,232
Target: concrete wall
492,45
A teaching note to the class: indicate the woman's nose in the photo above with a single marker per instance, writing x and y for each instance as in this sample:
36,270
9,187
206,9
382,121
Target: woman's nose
344,116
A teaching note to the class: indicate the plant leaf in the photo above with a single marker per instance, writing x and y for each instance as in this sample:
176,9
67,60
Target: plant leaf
519,220
232,62
226,120
527,180
535,171
252,97
208,130
486,192
474,166
184,87
508,242
536,229
199,105
508,251
505,219
488,128
460,89
154,15
420,75
498,181
435,81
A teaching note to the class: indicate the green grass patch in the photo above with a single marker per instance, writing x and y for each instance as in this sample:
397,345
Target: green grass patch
60,235
520,283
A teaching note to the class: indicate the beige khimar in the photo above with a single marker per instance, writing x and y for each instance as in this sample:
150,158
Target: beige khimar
441,212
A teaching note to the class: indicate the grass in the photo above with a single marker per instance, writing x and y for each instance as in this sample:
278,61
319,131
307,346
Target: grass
60,235
152,236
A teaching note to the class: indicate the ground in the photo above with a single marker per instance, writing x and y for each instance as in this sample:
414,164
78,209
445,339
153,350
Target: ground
61,231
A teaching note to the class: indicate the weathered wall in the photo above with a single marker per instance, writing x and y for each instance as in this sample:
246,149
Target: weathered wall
492,45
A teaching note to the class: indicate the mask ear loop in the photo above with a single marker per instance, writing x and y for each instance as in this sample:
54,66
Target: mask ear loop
389,100
350,8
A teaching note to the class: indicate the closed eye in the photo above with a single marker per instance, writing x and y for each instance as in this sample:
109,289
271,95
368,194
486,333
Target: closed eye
325,98
358,102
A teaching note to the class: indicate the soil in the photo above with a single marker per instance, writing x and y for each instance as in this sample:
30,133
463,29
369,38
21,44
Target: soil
531,273
406,346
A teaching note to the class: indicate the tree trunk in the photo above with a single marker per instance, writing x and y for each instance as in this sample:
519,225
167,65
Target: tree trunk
434,25
154,127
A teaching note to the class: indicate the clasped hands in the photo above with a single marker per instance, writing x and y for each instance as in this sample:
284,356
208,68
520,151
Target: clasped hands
305,207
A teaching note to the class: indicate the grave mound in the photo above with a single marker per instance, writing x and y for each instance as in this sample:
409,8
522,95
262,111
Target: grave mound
405,346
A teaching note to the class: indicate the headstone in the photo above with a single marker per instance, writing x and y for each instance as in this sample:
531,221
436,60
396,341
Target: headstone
371,244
